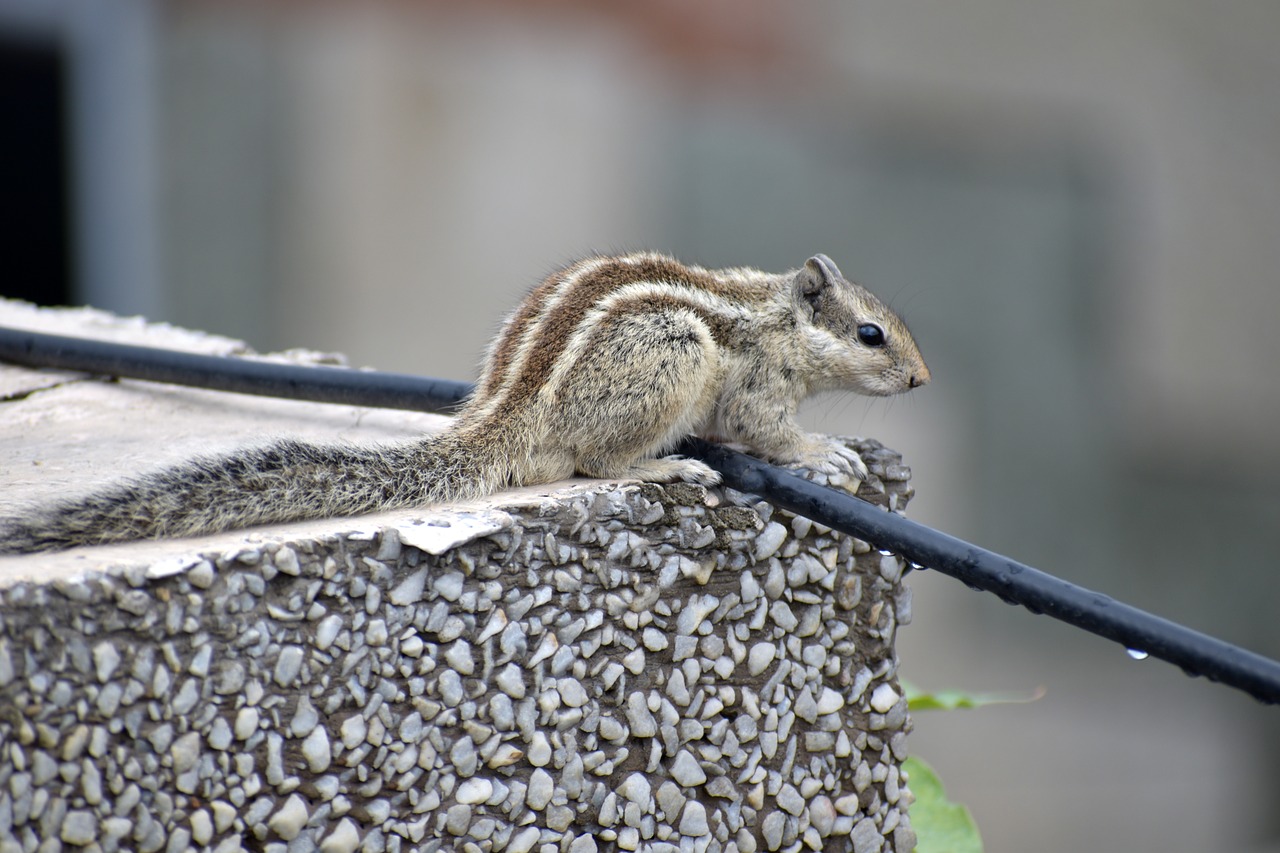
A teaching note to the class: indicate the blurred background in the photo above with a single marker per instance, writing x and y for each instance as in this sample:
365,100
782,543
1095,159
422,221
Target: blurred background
1076,206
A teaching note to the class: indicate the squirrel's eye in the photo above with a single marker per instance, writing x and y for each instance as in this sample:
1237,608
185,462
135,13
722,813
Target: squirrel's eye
871,335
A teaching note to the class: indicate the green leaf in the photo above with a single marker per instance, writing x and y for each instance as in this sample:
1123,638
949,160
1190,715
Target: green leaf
951,700
941,826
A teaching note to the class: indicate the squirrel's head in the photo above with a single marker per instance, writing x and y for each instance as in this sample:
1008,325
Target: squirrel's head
860,343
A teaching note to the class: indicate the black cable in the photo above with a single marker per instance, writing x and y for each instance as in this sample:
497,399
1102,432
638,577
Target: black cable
1195,653
318,383
1014,582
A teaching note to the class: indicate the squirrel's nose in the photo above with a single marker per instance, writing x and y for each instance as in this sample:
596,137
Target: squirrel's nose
920,378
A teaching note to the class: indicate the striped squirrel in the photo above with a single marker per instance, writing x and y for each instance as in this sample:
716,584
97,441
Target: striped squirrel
601,370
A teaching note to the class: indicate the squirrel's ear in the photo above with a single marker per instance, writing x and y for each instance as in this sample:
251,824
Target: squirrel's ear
817,274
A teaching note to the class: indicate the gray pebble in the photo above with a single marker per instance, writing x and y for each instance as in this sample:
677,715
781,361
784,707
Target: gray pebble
185,751
670,800
865,837
686,771
583,844
409,590
79,828
540,790
288,665
636,790
220,734
353,731
379,810
288,821
782,616
451,692
612,730
524,840
539,751
473,791
510,680
771,828
760,657
769,540
572,692
449,586
695,612
458,657
246,722
316,750
327,631
275,759
790,801
639,717
105,660
883,698
654,640
693,822
464,757
345,838
305,717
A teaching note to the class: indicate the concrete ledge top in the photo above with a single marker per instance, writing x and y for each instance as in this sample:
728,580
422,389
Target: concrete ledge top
63,433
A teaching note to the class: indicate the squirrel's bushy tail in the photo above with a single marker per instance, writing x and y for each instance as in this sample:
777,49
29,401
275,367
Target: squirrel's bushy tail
285,481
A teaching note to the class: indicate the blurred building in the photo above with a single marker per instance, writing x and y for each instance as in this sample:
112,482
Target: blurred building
1075,205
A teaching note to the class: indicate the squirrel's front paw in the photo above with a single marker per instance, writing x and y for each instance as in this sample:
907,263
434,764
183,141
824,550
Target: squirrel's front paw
695,471
671,469
828,456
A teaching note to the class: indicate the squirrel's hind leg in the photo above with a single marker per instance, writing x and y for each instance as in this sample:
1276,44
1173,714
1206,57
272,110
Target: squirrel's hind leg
640,383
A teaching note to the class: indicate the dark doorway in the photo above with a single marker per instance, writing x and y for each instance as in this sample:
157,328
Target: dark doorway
35,190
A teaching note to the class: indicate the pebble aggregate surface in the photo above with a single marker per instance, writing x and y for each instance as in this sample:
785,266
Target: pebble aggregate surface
632,667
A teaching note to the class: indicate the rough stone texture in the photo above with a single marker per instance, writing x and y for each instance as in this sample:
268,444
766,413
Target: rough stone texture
610,666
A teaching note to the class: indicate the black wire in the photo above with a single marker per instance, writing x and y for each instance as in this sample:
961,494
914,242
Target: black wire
244,376
1014,582
1137,630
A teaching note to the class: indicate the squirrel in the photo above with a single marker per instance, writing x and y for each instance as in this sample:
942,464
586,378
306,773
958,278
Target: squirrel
601,370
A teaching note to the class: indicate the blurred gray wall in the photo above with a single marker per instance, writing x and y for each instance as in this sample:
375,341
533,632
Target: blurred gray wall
1075,205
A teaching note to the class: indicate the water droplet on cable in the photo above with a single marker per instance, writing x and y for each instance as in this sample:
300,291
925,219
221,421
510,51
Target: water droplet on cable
1136,654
